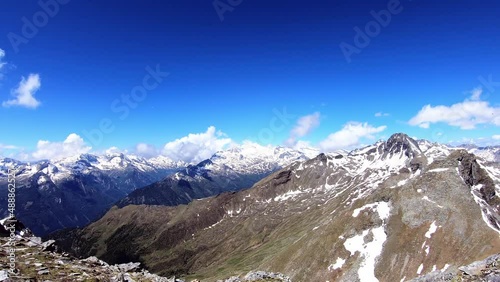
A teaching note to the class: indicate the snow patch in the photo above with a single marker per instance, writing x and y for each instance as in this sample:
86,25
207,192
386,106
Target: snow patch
439,169
402,182
420,268
425,198
337,265
383,209
287,195
432,230
42,180
446,266
232,213
369,251
213,225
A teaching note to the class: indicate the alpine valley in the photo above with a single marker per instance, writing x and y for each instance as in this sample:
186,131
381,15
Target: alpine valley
392,211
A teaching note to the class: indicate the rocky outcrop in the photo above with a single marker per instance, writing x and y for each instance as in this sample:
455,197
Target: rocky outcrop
34,262
259,276
481,185
12,224
473,175
486,270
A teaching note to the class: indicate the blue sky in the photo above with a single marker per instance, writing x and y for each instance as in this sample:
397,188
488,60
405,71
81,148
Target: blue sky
231,71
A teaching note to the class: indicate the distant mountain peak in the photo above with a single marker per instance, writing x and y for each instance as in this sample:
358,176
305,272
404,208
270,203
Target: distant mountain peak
401,142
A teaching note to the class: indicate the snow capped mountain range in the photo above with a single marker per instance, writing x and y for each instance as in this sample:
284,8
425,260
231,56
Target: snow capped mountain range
257,159
74,191
491,153
88,163
246,158
81,187
230,170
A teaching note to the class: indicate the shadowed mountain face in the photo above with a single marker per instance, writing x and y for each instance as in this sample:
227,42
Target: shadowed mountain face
230,170
71,192
390,211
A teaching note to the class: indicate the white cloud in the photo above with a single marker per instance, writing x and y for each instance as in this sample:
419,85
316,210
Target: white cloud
146,150
495,137
349,136
303,145
304,126
115,150
24,93
73,145
7,147
196,147
465,115
7,150
381,114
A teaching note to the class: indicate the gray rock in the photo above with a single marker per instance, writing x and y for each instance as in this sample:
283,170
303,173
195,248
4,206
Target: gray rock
475,268
261,275
43,272
48,246
231,279
127,267
95,261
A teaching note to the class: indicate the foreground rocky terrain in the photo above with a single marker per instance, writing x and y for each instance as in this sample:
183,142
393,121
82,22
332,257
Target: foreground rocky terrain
39,261
36,260
392,211
485,270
